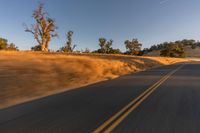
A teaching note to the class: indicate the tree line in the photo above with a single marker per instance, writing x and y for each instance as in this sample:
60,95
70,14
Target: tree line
45,27
173,49
44,30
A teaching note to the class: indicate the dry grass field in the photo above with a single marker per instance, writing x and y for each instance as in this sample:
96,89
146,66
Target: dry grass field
25,76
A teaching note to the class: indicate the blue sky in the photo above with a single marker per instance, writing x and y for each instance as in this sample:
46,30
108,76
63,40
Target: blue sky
151,21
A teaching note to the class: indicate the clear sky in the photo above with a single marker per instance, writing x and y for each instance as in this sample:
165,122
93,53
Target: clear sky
151,21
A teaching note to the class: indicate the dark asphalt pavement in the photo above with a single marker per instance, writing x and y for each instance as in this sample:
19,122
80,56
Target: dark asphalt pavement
174,107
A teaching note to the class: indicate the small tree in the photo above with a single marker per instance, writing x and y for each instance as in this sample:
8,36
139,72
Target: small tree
69,46
4,45
108,46
102,44
105,46
44,28
133,47
12,47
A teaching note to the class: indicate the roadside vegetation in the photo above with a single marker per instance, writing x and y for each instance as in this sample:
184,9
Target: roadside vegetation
4,45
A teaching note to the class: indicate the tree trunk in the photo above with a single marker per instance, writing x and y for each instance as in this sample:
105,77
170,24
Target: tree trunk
44,49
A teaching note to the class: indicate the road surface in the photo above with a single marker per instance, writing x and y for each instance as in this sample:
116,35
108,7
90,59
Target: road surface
161,100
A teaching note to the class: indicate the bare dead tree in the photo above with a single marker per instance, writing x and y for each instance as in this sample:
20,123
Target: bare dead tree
44,28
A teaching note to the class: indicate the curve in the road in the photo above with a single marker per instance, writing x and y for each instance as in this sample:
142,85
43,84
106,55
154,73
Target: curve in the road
115,120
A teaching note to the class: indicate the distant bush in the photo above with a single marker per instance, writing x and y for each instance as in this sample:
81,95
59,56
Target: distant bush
87,50
193,46
4,45
36,48
115,51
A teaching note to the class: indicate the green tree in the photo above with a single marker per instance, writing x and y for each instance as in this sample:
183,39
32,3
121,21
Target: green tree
173,50
102,44
185,43
133,47
3,43
115,51
106,47
44,28
69,47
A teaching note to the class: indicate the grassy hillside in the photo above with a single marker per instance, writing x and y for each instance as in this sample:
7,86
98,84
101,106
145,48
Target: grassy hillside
188,51
192,52
26,76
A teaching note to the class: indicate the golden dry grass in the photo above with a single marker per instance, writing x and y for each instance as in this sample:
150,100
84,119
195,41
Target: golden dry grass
25,76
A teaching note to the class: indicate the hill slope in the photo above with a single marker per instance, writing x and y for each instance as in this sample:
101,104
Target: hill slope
188,51
27,76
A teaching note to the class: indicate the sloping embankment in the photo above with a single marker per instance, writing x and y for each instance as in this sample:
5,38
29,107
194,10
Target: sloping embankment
27,76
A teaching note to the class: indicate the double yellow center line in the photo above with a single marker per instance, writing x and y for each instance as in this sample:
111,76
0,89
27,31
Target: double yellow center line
115,120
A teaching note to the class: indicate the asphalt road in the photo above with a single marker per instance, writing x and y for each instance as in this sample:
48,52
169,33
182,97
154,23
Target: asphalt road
161,100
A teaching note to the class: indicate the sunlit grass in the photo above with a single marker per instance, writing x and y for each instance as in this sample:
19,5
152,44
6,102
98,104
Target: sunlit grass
29,75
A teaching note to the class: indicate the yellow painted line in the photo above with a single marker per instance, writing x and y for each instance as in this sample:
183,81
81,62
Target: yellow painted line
118,121
127,106
144,95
